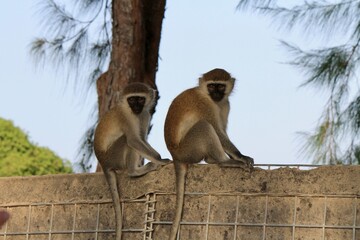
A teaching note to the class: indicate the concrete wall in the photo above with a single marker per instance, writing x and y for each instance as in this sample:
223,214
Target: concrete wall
221,203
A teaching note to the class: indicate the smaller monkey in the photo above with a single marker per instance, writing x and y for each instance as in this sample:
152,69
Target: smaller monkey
195,130
120,141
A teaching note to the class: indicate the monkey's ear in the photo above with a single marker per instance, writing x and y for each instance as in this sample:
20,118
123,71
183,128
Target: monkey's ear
200,80
153,94
150,99
231,83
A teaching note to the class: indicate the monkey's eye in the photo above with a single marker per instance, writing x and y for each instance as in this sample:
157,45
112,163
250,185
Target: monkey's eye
131,99
221,87
211,87
216,87
141,100
136,99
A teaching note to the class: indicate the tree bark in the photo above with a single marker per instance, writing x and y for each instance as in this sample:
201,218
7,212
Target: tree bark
136,33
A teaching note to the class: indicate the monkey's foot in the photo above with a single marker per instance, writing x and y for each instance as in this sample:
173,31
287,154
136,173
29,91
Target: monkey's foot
238,164
149,167
232,163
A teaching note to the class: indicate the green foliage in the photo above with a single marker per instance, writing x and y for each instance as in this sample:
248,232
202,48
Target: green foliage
19,157
332,68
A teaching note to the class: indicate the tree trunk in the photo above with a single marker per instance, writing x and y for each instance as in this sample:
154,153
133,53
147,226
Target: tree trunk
136,35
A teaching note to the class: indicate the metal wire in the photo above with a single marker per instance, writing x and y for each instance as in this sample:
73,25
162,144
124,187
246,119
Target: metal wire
265,225
51,232
149,215
297,166
150,209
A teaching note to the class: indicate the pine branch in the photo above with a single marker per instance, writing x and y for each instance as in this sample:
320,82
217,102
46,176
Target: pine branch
351,115
321,145
71,47
86,150
331,68
310,17
320,17
68,44
254,4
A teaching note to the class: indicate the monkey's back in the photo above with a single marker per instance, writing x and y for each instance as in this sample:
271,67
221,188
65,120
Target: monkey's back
110,137
186,110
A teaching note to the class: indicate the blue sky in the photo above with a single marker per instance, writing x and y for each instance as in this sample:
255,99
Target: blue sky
267,106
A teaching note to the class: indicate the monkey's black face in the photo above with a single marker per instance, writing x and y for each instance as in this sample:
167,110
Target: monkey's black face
216,91
136,103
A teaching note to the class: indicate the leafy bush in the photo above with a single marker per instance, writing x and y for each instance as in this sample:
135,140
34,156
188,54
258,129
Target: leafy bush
20,157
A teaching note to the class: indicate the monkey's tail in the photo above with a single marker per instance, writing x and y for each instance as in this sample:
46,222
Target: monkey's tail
112,181
180,171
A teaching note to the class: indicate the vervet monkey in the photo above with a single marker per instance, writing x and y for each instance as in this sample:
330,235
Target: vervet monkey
120,141
195,130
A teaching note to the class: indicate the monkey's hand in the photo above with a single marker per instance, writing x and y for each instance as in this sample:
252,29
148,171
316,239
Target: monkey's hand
248,161
165,161
244,162
157,166
148,167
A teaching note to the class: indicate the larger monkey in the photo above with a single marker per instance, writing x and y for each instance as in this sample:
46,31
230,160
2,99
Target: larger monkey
195,130
120,141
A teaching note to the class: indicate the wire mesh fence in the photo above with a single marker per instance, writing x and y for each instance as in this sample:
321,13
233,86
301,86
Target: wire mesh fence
213,215
266,216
